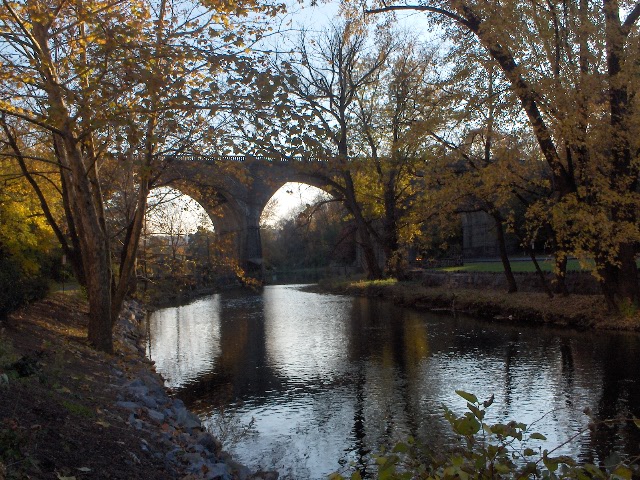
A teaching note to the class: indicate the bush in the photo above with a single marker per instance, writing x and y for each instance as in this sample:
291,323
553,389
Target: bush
17,288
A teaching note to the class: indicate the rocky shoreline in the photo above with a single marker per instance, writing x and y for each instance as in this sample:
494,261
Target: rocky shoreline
187,448
69,411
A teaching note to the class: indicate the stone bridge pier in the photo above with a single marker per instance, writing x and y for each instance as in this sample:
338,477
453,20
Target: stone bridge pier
235,190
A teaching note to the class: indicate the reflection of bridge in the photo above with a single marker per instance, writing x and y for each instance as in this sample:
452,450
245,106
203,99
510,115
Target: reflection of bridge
235,189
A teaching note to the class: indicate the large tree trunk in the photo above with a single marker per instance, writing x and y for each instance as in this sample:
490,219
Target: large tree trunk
620,282
620,276
96,255
374,272
391,242
83,206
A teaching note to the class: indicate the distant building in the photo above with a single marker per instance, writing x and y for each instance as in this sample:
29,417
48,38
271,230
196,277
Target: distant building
479,239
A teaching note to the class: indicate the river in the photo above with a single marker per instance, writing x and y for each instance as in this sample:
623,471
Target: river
308,383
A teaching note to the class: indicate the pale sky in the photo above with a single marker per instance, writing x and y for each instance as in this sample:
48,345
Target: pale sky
183,214
291,198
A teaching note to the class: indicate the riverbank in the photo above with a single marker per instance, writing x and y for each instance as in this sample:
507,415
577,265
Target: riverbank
576,311
68,411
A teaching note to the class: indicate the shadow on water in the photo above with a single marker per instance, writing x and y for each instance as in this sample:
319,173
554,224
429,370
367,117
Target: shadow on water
323,380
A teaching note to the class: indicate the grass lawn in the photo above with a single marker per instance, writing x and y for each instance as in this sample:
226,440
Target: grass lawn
516,266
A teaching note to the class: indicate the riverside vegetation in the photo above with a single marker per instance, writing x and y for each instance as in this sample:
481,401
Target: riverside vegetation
491,451
578,311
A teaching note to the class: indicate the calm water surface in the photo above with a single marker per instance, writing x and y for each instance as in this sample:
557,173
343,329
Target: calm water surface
307,383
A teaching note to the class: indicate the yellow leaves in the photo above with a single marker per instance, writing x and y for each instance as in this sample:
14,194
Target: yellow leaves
23,230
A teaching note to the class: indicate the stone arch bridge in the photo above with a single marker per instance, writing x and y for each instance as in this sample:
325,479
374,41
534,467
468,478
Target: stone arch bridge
234,190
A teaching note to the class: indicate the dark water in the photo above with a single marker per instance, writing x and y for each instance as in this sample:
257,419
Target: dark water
308,383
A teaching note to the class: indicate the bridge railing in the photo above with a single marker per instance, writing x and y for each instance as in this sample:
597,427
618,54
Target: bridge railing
242,158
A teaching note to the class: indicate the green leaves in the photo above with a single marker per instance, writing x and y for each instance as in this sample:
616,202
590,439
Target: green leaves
469,397
467,425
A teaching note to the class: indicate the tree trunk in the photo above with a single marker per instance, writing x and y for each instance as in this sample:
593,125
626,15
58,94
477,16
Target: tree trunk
393,260
561,275
96,256
84,209
620,283
543,280
620,277
502,246
374,272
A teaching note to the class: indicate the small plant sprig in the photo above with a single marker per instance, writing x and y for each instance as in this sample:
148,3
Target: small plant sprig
492,452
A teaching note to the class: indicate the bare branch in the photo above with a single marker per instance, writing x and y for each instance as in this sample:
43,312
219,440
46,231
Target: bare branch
421,8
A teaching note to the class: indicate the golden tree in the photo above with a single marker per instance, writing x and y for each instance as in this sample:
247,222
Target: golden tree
100,80
573,68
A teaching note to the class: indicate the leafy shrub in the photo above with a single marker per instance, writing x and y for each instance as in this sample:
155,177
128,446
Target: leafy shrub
486,452
17,287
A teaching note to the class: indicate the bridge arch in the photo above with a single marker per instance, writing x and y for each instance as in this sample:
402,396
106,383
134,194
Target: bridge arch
235,193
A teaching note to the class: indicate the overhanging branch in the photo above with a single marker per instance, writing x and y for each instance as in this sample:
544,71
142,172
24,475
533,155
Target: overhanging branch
420,8
631,19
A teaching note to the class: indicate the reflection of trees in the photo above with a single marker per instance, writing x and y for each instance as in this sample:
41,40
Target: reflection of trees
240,369
620,397
359,422
388,344
184,341
392,369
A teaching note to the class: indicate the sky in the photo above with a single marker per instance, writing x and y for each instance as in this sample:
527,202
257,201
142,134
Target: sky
182,213
290,199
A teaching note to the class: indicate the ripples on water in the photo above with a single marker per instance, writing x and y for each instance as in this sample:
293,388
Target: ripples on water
323,379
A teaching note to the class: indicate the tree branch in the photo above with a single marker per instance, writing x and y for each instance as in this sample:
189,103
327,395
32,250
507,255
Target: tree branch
631,19
421,8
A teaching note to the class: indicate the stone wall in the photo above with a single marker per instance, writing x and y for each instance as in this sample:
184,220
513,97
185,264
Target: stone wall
577,282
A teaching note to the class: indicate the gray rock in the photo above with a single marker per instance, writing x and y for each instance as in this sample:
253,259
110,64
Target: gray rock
218,471
187,419
128,405
174,455
149,402
156,416
265,476
210,443
138,392
197,449
194,460
135,383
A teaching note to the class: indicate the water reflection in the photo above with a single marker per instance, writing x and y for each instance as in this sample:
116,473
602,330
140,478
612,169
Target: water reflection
185,340
328,378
